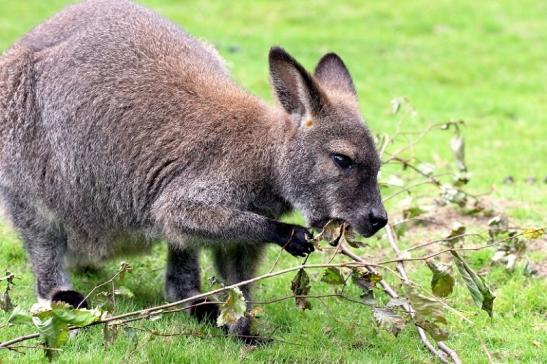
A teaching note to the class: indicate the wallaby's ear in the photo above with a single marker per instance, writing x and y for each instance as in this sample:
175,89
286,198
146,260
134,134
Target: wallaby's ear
332,72
295,88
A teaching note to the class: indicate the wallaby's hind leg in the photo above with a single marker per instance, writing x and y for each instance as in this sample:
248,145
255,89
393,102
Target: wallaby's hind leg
182,280
45,243
238,263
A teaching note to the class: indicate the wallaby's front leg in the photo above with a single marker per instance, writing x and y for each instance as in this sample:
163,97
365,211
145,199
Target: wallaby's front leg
236,263
179,218
182,280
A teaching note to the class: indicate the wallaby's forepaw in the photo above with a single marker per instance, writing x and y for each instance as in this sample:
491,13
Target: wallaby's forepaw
73,298
295,240
205,311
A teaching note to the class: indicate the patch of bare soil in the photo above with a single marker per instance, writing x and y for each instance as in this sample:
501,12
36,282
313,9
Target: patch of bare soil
438,224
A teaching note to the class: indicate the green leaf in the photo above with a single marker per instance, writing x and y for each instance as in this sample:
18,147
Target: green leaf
442,282
387,319
300,286
19,316
481,293
533,233
332,275
232,309
400,229
52,329
124,292
428,313
78,317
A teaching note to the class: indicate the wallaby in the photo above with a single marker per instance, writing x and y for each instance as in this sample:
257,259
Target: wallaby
118,130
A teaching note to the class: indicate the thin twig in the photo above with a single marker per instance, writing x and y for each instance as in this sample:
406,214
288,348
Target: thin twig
111,280
414,142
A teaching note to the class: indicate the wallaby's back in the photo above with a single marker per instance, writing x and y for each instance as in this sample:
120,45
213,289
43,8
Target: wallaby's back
117,102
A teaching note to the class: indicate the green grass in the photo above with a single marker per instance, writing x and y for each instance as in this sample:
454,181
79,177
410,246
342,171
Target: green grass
483,62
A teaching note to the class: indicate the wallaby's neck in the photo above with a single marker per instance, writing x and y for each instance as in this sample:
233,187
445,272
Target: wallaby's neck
257,130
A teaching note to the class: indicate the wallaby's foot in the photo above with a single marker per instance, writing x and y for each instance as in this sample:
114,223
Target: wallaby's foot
295,240
242,331
73,298
254,340
205,311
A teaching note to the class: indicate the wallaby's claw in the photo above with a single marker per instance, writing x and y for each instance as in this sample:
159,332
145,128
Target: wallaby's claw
297,242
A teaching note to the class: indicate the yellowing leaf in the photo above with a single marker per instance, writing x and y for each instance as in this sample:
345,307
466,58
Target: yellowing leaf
232,309
533,233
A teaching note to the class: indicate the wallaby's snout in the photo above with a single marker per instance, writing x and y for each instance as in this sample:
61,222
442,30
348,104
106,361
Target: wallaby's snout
372,220
330,167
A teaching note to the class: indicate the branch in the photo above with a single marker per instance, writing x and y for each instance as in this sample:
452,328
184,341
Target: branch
391,292
401,268
148,312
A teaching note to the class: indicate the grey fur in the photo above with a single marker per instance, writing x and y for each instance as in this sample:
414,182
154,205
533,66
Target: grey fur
118,129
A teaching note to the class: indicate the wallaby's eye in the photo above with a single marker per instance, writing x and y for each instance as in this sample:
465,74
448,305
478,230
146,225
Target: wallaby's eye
342,161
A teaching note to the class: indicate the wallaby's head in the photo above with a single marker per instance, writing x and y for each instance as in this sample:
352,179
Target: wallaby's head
330,164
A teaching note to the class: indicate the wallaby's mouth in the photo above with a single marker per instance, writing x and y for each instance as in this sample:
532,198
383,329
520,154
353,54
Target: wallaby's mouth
365,230
320,224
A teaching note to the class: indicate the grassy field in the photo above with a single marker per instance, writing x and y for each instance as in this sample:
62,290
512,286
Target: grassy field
483,62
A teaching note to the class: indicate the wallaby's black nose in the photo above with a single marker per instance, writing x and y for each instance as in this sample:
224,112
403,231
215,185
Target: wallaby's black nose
377,220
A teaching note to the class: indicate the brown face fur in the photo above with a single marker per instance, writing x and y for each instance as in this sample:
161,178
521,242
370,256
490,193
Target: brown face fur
331,163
